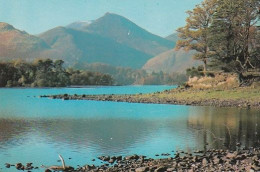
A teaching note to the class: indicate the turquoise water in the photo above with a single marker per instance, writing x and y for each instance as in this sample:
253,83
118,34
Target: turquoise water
36,129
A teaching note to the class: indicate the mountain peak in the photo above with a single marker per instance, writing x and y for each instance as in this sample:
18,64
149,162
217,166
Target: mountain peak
112,14
6,27
79,25
114,19
124,31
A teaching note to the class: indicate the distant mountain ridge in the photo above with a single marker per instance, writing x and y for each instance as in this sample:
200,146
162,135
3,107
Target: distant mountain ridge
171,61
75,46
173,37
15,43
111,39
122,30
79,25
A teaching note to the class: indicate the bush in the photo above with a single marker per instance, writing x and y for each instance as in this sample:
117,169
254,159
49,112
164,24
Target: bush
192,72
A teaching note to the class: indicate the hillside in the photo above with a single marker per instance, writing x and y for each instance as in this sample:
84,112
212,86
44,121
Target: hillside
19,44
128,33
171,61
75,46
173,37
79,25
111,39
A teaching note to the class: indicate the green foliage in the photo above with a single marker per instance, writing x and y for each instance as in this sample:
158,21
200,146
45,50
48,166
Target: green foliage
128,76
224,32
234,35
192,72
78,77
47,73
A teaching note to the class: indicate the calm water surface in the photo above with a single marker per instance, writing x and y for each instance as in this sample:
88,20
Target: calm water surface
37,130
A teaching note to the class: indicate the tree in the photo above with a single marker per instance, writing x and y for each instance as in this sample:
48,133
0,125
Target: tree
233,35
196,31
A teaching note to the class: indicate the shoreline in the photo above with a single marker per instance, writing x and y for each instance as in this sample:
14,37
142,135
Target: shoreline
239,97
209,160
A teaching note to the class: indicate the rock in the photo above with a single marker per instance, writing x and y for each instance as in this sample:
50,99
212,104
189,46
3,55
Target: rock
165,154
198,151
135,157
111,161
171,169
204,162
18,166
231,155
29,164
119,158
87,167
160,169
216,161
142,169
177,155
7,165
104,158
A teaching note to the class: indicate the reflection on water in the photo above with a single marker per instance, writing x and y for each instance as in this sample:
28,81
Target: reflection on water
42,128
226,127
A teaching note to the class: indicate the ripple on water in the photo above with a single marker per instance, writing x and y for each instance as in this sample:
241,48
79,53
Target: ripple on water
39,129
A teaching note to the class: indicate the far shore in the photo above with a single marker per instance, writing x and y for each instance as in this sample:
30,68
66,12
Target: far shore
242,97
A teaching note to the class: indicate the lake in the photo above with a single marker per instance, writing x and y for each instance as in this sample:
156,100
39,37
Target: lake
36,129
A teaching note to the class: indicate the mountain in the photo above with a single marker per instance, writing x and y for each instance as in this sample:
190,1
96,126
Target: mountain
171,61
80,25
19,44
75,46
125,32
173,37
111,39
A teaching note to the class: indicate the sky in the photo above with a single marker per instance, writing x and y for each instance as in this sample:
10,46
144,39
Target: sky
161,17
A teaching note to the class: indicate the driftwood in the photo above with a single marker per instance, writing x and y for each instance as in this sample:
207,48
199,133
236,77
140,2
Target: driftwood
59,168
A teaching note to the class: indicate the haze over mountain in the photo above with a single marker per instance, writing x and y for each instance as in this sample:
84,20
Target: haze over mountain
173,37
128,33
15,43
79,25
171,61
75,46
111,39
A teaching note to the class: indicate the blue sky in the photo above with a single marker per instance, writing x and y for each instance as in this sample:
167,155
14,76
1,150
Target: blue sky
161,17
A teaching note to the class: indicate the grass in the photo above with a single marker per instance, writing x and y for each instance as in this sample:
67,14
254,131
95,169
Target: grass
244,93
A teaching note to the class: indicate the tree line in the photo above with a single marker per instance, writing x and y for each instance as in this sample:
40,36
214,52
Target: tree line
129,76
47,73
225,34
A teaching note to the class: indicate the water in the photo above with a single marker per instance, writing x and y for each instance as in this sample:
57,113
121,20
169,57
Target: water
36,129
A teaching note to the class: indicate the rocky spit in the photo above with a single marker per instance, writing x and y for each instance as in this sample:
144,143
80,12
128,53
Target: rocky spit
155,98
198,161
